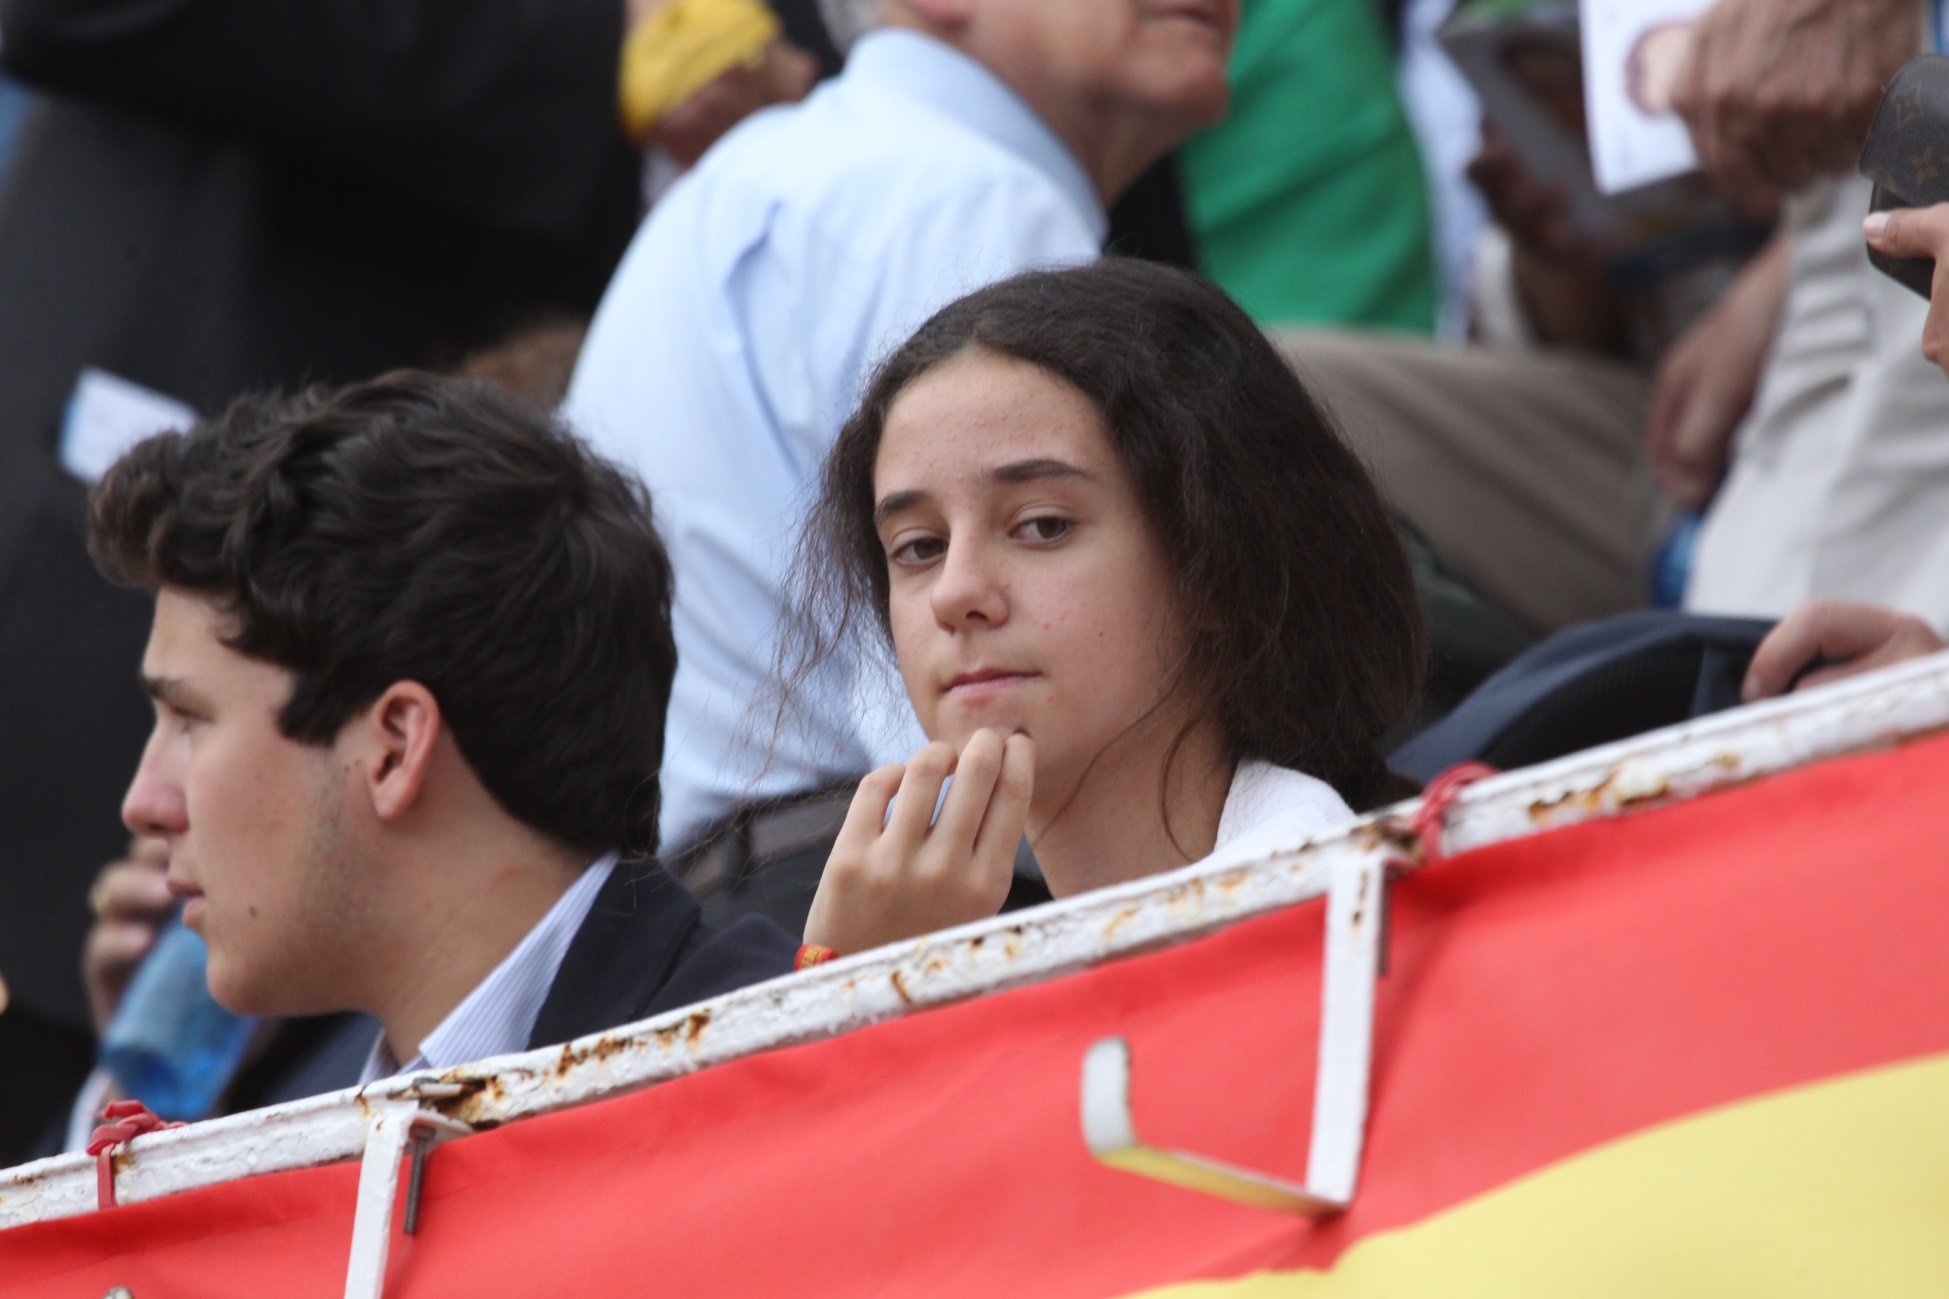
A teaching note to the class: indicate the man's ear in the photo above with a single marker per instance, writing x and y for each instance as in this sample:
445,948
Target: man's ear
948,15
402,731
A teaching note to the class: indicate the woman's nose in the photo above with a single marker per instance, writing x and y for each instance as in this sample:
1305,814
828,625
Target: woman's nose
969,588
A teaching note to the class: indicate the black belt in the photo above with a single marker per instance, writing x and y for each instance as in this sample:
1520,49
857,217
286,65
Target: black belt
757,834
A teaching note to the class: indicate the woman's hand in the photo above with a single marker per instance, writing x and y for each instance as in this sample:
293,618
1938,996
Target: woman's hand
893,875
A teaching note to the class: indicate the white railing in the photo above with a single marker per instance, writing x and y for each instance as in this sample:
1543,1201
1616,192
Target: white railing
1676,763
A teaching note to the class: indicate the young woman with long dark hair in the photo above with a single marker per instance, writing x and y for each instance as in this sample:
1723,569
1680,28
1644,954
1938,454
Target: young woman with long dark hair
1145,603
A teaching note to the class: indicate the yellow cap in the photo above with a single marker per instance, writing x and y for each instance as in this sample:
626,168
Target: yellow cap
681,48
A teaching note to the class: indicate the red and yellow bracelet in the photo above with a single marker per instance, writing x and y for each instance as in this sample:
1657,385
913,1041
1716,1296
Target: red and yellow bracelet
811,954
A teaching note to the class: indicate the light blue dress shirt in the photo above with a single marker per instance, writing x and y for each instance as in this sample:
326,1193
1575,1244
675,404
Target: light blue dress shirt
499,1014
735,338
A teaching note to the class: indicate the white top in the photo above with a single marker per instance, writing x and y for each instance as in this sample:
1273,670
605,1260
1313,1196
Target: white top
1271,809
736,336
499,1014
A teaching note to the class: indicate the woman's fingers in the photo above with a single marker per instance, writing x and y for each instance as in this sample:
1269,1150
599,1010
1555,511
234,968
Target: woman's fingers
1005,816
953,835
920,794
867,813
920,872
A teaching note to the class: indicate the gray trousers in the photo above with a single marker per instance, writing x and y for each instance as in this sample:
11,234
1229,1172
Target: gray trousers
1525,471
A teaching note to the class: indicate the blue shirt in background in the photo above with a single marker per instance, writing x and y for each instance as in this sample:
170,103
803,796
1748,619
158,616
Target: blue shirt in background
13,107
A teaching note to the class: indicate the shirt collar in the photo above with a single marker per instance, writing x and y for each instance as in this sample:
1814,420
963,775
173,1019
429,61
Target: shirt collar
920,67
499,1014
1271,809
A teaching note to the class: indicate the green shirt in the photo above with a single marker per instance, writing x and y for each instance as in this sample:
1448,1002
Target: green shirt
1308,203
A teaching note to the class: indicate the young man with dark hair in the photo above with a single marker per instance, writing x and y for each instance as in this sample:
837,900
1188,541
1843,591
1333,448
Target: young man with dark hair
409,659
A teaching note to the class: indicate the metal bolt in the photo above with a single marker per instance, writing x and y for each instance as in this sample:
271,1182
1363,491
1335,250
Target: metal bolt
422,1143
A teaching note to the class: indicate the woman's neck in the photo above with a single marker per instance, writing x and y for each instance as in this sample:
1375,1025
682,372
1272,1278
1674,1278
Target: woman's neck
1114,827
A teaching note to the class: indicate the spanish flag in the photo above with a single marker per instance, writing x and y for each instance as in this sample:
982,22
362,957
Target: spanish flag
1701,1050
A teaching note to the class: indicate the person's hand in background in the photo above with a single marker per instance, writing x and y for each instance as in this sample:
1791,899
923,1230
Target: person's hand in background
1558,270
1920,232
1850,638
783,75
1779,93
693,69
1536,215
131,904
1708,377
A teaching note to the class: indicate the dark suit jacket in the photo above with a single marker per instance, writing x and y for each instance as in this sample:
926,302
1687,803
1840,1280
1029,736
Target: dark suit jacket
643,949
211,196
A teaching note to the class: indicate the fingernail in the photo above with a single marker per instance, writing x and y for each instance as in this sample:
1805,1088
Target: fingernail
1875,226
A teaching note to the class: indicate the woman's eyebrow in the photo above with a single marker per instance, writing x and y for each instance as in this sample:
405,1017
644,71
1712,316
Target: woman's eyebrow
1015,471
1025,471
895,502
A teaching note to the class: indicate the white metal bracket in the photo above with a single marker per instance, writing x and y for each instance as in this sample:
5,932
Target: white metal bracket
1355,925
397,1124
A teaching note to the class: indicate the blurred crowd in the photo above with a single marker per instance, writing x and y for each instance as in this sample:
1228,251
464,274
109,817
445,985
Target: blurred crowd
516,518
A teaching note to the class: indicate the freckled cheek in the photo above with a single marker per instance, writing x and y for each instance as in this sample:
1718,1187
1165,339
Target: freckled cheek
909,649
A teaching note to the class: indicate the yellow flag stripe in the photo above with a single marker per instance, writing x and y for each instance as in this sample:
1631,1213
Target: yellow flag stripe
1839,1187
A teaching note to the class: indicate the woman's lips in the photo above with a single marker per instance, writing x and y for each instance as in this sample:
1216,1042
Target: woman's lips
973,687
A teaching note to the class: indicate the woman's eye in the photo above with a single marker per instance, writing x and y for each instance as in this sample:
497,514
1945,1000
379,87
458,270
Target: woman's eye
917,551
1047,527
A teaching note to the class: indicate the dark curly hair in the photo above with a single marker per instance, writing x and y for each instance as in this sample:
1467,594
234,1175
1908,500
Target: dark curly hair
1298,606
430,529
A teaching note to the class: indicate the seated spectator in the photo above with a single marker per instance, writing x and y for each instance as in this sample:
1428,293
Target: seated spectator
217,197
1145,603
1531,461
1838,484
213,198
409,650
963,142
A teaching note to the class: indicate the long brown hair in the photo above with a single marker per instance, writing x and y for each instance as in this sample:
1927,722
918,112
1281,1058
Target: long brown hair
1296,601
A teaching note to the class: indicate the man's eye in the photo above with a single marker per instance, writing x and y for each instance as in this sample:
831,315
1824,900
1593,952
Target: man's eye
918,551
1048,527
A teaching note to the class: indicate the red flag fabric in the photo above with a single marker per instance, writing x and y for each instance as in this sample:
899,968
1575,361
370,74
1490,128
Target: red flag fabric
1702,1049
